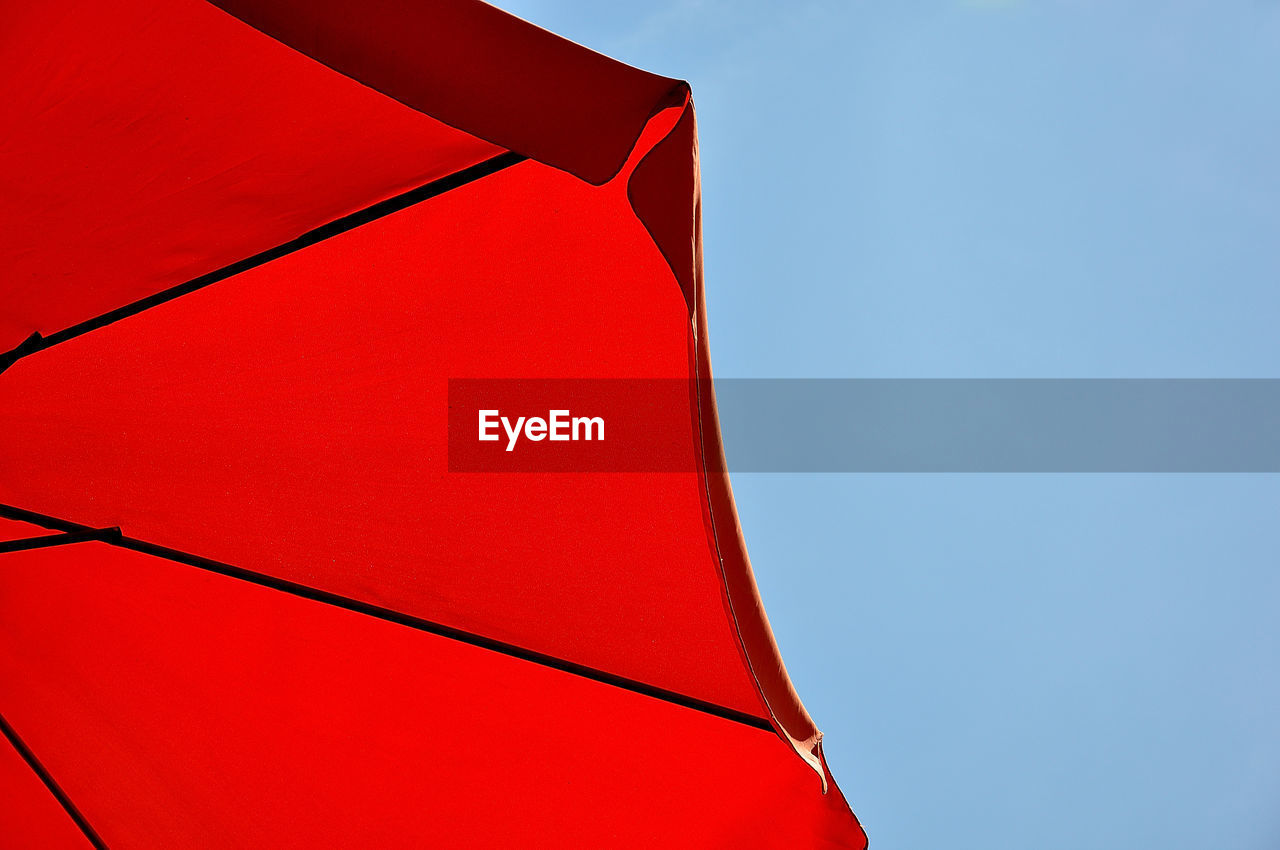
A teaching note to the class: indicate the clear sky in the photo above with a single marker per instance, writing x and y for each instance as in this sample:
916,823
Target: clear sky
1002,189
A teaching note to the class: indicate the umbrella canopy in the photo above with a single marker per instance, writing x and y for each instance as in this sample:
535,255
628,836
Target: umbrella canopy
244,601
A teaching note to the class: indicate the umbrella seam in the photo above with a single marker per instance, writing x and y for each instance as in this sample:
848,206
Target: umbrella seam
36,342
390,615
51,784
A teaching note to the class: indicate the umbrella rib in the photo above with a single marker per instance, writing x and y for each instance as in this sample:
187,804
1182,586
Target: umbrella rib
36,342
390,615
56,790
44,541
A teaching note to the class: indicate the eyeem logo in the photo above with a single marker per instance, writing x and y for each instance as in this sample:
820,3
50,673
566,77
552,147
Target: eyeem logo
559,426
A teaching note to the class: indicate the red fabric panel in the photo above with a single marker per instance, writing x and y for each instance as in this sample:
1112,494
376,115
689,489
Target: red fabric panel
180,708
30,817
476,67
147,142
292,420
11,529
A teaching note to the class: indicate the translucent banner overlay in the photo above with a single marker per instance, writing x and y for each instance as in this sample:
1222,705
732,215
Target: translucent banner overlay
869,425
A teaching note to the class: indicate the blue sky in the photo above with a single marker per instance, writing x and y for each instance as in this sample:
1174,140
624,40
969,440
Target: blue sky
1077,189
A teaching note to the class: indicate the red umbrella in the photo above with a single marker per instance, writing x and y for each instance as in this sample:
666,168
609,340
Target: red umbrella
244,601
